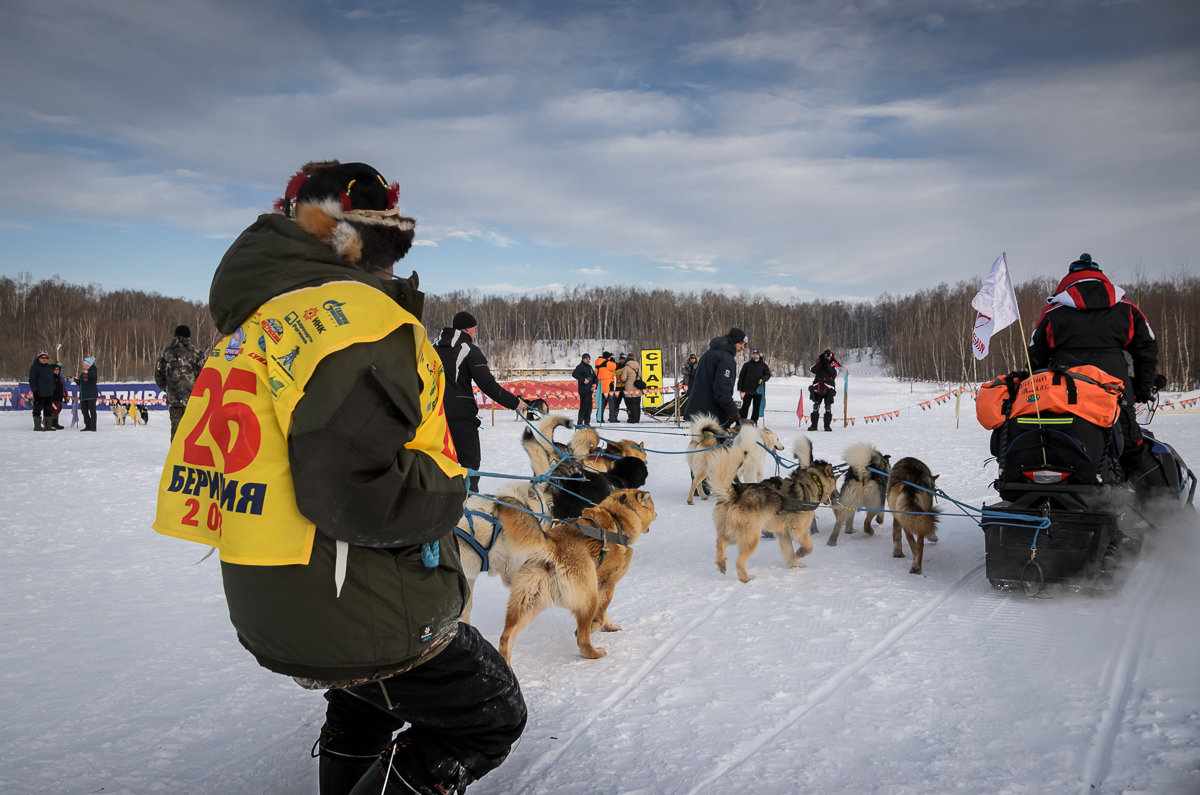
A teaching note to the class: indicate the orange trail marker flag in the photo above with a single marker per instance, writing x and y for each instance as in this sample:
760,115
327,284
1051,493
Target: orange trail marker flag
997,307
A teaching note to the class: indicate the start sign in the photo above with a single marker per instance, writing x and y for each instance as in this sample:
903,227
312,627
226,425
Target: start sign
652,374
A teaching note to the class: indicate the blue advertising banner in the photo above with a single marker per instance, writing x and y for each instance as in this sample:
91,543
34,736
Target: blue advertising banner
15,397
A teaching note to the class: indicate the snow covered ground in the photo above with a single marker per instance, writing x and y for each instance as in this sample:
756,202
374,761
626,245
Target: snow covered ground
119,672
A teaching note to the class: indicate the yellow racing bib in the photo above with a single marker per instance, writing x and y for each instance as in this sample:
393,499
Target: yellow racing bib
227,480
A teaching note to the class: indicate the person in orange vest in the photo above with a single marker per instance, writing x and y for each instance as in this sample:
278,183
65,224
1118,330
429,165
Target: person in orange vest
606,372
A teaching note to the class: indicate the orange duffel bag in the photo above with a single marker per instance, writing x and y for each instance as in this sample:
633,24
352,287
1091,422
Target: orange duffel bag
1085,391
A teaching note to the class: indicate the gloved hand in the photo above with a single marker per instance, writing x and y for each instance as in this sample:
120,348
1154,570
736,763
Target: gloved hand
1143,397
733,423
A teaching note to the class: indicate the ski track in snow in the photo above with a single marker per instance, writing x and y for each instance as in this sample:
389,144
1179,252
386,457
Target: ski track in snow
1122,672
638,680
839,679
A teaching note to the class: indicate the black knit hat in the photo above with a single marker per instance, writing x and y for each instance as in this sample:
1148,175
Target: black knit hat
183,331
464,320
736,335
1084,263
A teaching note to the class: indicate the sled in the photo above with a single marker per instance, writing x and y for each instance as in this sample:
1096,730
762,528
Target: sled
1069,513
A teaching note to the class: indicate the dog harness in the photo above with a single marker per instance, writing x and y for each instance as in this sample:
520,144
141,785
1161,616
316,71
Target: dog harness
473,542
603,536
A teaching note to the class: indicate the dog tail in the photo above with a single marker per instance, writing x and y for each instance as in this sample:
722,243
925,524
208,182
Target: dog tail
584,442
706,425
539,456
858,457
722,469
525,533
803,452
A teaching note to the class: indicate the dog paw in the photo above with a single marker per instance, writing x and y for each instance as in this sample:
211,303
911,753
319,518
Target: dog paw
721,566
749,577
610,627
869,530
914,570
849,531
832,542
932,539
897,554
593,652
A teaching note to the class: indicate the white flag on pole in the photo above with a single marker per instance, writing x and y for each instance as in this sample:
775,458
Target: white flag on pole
997,307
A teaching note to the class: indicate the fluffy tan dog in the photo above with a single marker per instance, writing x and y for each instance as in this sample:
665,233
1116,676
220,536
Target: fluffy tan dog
782,506
576,570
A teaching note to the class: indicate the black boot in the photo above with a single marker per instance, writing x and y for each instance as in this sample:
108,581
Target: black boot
407,773
828,420
37,423
338,772
815,416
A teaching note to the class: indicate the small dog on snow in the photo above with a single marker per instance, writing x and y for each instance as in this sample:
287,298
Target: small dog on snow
913,510
861,488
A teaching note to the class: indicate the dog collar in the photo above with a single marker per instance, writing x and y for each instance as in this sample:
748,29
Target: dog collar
820,486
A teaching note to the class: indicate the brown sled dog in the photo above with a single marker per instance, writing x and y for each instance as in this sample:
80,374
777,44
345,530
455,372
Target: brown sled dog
782,506
861,488
577,571
914,511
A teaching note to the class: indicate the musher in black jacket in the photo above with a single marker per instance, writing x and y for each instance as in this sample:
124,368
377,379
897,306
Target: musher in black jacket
464,363
712,384
1088,320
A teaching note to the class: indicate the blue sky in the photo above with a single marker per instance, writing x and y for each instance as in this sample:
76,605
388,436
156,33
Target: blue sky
797,149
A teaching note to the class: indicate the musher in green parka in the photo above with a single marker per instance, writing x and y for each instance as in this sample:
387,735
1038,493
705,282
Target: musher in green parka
369,611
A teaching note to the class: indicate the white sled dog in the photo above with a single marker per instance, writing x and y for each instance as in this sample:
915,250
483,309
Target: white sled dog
756,455
861,489
707,436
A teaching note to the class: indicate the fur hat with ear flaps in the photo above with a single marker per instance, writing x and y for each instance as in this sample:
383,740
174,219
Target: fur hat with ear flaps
352,209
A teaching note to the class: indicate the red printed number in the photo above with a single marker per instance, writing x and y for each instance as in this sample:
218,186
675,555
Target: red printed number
231,424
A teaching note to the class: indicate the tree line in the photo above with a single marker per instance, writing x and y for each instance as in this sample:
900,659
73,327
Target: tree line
925,335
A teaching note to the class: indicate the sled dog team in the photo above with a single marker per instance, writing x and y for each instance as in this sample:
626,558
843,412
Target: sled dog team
568,541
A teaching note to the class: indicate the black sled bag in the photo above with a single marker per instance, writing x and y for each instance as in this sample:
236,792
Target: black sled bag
1055,449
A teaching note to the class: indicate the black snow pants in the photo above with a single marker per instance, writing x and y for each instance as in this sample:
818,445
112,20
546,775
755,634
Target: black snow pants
464,711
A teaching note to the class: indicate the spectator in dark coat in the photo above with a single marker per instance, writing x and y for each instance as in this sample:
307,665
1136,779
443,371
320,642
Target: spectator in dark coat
585,377
822,389
176,371
1088,320
465,363
712,385
89,393
689,369
41,392
752,384
60,396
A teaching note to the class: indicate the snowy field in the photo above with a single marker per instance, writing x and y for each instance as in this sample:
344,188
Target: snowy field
120,673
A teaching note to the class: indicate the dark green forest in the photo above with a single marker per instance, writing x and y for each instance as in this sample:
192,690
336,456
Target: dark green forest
925,335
